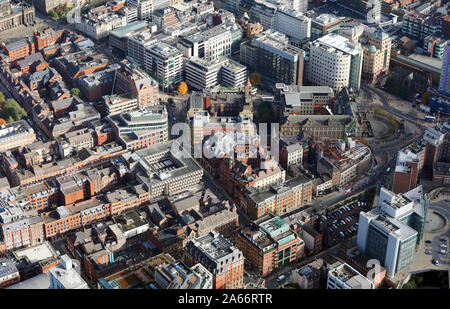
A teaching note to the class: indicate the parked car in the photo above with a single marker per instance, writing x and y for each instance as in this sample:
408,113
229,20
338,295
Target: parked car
443,251
428,241
443,246
443,239
428,251
281,278
435,262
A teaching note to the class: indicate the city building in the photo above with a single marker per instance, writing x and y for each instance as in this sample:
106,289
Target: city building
118,38
343,160
269,244
277,199
208,44
434,46
391,231
44,6
410,162
140,128
9,274
270,54
444,83
178,275
13,16
117,104
336,62
132,80
343,276
376,54
145,8
64,276
220,257
305,100
294,24
163,170
165,64
318,126
165,18
201,74
370,10
324,24
19,49
99,22
16,134
95,85
136,45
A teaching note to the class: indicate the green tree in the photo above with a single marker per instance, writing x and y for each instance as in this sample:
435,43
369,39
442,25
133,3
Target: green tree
265,113
410,285
2,97
10,119
75,92
390,84
170,101
53,14
12,109
43,93
255,78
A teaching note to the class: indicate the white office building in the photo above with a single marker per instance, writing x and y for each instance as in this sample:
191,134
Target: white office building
336,62
209,44
202,74
342,276
136,45
294,24
64,276
144,8
390,232
164,63
98,27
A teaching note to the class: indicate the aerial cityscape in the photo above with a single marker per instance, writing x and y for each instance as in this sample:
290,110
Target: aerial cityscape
224,144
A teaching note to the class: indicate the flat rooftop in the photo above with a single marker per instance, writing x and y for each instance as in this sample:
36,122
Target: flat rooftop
37,253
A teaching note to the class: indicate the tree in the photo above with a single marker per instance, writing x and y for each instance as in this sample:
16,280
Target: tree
43,93
170,101
390,83
410,285
2,121
75,92
182,88
12,109
2,97
53,14
255,78
10,119
425,98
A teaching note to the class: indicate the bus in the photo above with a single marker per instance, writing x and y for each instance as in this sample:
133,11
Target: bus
267,99
430,119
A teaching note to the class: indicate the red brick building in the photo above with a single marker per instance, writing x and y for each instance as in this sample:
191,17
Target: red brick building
19,49
46,37
269,244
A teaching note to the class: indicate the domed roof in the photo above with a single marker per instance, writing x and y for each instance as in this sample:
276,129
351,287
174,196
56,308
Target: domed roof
372,49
